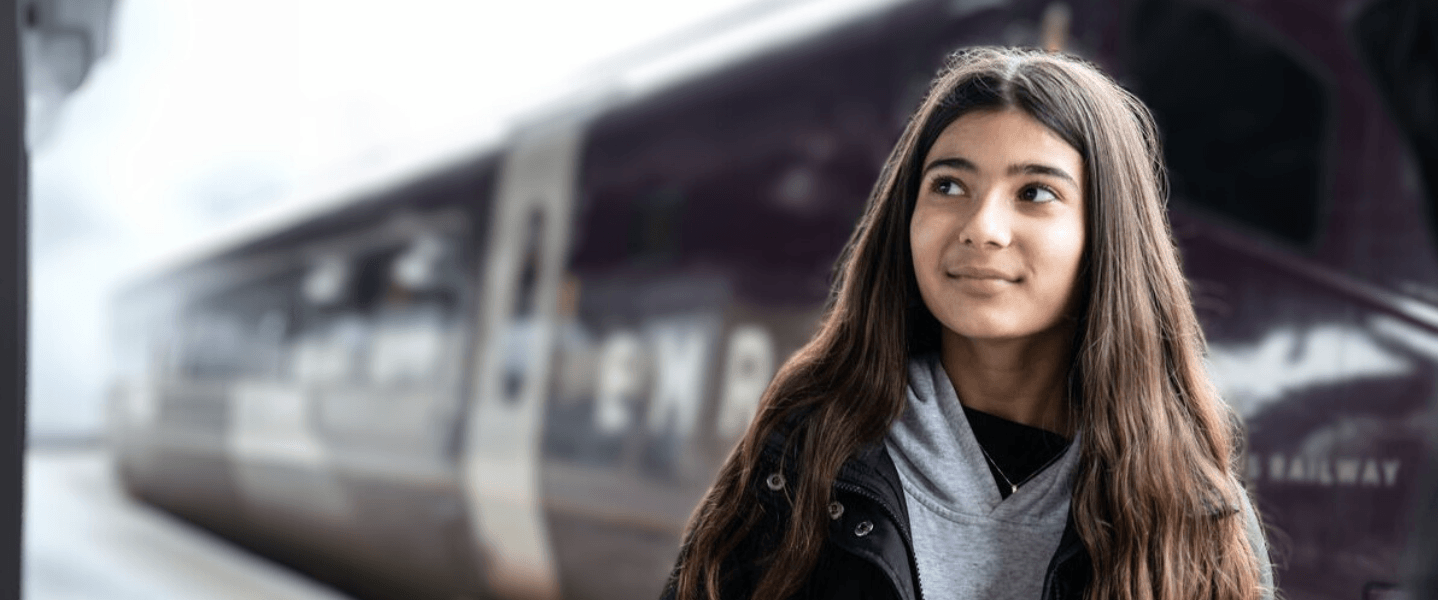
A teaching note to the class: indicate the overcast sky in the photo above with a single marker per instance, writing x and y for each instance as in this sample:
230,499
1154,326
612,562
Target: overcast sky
204,114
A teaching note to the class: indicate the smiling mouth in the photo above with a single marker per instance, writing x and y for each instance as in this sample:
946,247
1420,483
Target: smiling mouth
983,275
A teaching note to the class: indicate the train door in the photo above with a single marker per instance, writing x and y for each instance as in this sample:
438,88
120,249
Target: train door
384,341
528,245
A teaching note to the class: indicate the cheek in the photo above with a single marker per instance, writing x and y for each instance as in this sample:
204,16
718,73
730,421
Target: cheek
925,240
925,257
1073,247
1066,256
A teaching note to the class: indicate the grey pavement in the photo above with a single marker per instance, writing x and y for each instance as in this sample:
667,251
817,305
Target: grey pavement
86,540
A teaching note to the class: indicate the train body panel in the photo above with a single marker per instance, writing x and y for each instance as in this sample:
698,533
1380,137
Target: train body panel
515,376
334,364
1335,380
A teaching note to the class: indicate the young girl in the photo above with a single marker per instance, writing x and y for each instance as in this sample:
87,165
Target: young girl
1006,398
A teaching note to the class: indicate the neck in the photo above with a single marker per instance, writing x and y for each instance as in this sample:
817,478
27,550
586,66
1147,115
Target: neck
1023,380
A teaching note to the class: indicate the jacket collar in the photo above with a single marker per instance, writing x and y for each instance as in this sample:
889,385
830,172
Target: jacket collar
872,469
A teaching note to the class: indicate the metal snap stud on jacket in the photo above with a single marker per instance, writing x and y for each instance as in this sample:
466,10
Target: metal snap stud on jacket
836,510
863,528
775,481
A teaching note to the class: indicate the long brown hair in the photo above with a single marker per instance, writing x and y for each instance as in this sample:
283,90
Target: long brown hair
1156,490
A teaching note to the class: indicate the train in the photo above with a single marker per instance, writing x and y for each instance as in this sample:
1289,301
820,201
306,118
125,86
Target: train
512,372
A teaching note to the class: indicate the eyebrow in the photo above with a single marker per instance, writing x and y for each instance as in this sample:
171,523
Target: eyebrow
963,164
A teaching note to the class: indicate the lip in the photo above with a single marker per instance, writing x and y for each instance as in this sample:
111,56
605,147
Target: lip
982,273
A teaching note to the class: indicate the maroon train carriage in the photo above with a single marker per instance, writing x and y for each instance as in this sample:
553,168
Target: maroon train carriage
512,375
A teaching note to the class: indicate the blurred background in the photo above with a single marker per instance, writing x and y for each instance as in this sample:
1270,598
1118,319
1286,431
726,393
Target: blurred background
445,299
199,120
162,129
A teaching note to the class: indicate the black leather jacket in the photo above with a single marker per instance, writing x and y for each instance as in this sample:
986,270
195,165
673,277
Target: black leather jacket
869,553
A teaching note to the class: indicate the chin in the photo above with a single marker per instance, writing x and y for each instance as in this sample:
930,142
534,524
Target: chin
995,328
985,329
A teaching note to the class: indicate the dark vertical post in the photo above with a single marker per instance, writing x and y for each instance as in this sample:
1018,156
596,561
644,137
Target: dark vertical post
14,270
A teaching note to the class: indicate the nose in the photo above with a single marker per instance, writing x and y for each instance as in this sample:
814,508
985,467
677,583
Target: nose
988,226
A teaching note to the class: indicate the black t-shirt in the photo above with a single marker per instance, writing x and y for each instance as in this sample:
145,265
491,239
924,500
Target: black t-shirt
1019,450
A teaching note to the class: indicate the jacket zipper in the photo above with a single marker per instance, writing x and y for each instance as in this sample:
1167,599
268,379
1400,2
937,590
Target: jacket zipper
903,529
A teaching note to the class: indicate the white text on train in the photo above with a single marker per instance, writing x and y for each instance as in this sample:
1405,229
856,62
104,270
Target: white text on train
1348,471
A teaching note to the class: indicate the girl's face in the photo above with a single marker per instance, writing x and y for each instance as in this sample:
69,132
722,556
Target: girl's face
998,227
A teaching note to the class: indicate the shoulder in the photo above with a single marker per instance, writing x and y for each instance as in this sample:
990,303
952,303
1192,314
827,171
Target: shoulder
781,447
781,452
1253,527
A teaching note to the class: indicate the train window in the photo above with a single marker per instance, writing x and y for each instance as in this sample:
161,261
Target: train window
528,284
385,316
1244,124
265,315
519,332
212,348
239,333
332,334
417,268
1396,41
654,232
325,284
414,321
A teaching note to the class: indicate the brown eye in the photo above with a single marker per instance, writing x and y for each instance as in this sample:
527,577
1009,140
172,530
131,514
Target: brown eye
1038,194
948,187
